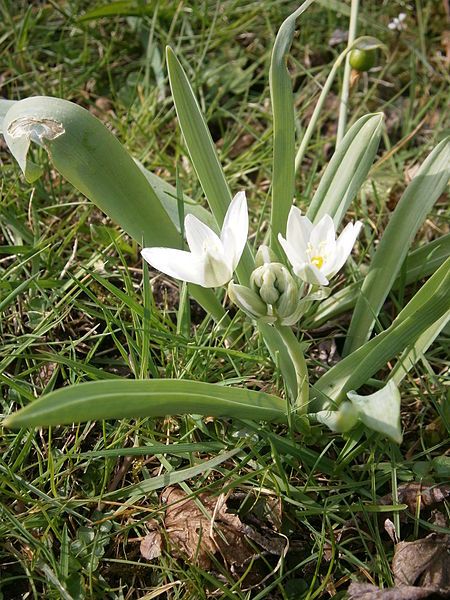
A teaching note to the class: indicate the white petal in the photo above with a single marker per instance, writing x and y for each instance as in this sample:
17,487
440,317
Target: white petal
298,231
177,263
199,235
311,274
380,411
235,229
344,245
325,233
217,270
295,258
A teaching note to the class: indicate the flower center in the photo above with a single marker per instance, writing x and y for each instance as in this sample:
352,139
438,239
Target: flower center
317,261
212,248
317,256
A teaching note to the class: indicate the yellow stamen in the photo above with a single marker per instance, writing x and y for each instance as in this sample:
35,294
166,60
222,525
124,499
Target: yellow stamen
317,261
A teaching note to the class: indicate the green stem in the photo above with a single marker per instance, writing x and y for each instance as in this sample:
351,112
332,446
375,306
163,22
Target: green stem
346,81
301,372
320,102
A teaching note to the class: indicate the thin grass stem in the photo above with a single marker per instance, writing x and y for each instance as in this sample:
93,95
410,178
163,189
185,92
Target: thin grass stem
345,92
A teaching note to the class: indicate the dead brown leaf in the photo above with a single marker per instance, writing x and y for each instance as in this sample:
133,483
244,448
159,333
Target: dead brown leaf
424,562
367,591
414,492
151,545
195,534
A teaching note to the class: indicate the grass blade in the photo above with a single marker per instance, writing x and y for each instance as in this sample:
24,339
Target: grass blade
137,490
413,354
408,216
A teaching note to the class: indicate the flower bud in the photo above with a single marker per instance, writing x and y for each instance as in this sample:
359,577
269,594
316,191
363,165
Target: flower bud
277,288
247,300
264,255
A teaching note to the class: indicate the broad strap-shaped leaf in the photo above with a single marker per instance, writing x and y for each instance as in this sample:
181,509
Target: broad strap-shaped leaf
379,411
146,398
430,303
283,175
167,195
88,155
347,169
408,216
198,139
202,151
212,179
414,353
5,105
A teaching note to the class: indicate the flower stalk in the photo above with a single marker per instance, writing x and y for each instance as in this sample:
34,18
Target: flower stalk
300,403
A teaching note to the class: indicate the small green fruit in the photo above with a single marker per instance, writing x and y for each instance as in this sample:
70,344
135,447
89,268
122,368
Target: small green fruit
362,60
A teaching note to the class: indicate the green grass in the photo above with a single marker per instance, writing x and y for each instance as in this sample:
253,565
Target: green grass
76,304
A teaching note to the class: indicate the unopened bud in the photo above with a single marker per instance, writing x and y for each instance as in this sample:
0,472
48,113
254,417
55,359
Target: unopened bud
278,289
247,300
264,255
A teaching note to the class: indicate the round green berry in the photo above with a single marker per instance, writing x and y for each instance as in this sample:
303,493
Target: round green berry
362,60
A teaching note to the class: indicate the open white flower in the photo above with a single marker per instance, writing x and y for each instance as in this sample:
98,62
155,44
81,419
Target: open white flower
397,23
212,259
313,250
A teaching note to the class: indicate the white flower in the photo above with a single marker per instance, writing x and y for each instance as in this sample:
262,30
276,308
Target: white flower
379,411
313,250
212,259
397,23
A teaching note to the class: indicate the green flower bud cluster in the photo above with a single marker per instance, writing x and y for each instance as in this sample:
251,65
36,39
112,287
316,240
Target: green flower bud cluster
277,289
273,295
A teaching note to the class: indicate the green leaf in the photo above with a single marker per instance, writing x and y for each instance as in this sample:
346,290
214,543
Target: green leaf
347,169
142,488
414,353
409,214
167,195
5,105
212,179
146,398
88,155
283,176
121,8
430,303
420,263
198,140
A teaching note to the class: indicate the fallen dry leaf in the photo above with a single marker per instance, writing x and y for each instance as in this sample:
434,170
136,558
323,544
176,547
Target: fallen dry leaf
424,562
151,545
367,591
195,534
411,493
389,527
